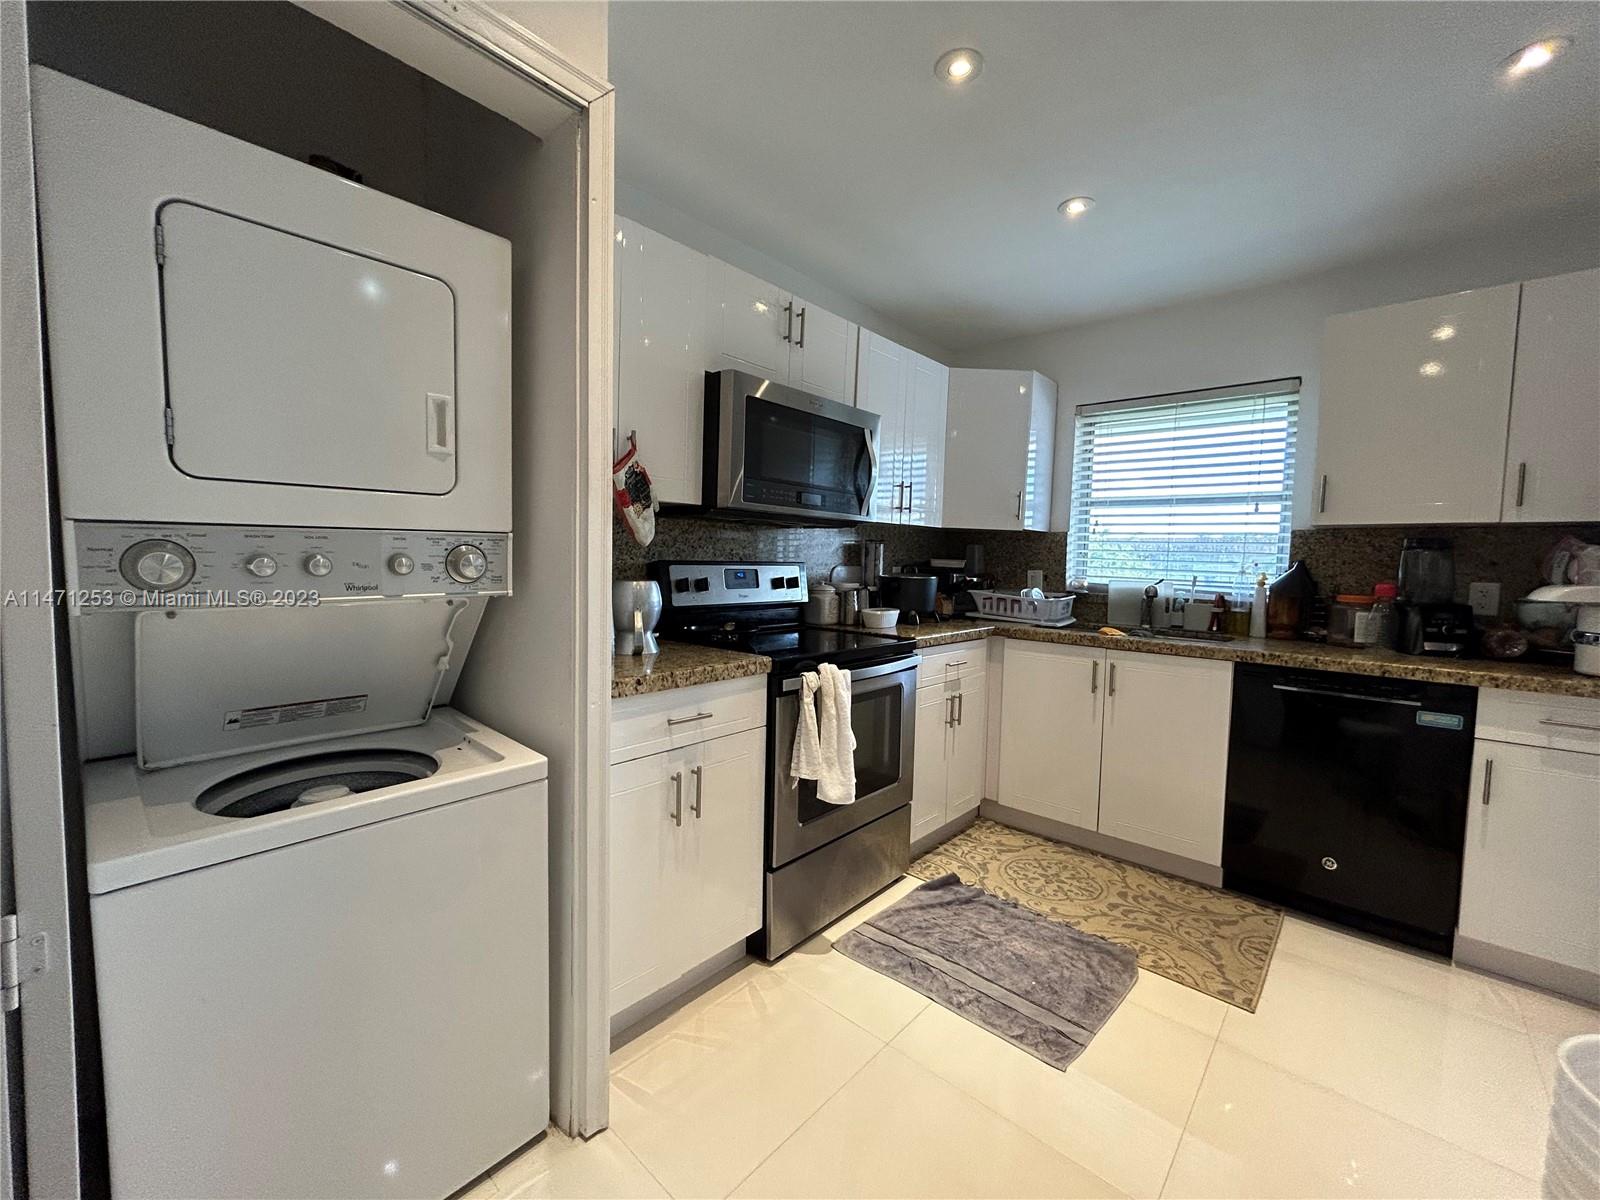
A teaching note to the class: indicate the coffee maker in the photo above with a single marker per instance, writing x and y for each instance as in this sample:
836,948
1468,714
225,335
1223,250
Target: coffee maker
1429,619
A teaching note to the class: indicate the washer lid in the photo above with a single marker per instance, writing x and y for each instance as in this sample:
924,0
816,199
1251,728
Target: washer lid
210,682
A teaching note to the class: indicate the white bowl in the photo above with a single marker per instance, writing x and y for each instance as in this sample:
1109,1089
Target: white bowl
880,618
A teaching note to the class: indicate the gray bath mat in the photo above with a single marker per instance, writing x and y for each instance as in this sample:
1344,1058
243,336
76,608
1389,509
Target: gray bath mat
1040,984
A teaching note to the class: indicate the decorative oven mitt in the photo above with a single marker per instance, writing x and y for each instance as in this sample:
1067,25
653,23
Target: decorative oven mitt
636,496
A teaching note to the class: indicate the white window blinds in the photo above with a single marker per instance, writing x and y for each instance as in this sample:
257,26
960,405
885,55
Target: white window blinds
1196,484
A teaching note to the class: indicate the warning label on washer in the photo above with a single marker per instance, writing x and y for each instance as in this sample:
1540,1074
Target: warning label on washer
288,714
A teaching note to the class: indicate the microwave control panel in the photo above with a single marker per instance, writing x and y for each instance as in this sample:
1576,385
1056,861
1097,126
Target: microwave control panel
126,565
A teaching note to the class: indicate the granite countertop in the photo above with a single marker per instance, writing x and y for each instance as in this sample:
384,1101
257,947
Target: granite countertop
1473,672
681,665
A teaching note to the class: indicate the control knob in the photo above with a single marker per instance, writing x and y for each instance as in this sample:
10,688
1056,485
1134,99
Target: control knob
318,564
466,563
261,565
158,564
402,564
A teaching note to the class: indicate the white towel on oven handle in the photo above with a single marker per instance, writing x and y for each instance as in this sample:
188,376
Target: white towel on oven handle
824,742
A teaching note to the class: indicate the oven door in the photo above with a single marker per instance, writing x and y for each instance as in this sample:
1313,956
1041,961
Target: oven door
776,450
882,707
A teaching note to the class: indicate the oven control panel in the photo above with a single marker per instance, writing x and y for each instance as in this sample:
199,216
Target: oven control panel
124,565
716,584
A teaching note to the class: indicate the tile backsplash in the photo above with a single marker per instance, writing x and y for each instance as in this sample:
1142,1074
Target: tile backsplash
1008,555
1353,558
1343,559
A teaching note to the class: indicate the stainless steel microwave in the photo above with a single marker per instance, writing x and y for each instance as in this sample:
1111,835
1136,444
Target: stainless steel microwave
772,450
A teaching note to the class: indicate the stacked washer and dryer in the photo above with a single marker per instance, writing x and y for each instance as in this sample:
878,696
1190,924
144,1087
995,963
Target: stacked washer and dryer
317,895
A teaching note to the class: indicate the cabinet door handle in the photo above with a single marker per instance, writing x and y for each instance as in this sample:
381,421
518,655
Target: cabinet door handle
699,774
689,720
1094,677
961,706
1111,679
1019,506
958,663
677,797
802,342
1522,481
788,325
949,712
1488,779
910,491
1569,725
1322,505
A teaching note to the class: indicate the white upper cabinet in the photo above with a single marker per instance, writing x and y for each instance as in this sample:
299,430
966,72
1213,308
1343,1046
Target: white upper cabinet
910,393
749,323
822,352
927,404
882,375
662,356
1553,451
1412,415
999,450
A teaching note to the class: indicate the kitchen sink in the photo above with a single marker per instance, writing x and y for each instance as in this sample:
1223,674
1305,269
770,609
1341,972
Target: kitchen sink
1182,635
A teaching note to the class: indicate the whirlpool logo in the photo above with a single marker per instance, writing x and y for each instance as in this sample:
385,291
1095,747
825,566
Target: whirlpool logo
360,587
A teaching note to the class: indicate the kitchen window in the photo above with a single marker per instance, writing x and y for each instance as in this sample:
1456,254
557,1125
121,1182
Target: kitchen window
1187,486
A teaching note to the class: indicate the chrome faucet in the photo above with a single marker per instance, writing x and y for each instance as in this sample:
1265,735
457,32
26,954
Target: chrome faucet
1147,606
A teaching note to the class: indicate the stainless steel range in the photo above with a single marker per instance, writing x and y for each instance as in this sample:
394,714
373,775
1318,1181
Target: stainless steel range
821,859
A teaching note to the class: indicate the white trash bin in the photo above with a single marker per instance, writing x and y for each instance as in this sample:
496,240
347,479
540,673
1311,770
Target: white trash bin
1572,1154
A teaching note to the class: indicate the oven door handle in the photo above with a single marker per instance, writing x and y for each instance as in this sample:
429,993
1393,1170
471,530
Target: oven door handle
860,673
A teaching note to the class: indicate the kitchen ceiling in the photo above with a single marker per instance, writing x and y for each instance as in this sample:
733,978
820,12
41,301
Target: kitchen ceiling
1225,144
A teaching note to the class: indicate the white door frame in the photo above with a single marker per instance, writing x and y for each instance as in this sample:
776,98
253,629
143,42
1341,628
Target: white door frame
580,1034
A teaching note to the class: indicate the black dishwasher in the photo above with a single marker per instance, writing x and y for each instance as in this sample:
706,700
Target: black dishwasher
1347,798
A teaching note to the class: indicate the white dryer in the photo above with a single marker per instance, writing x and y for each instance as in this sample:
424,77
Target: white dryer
321,972
240,338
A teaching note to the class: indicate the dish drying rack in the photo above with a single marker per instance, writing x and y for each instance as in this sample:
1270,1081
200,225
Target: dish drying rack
1051,611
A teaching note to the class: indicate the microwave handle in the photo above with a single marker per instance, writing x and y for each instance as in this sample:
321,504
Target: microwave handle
865,497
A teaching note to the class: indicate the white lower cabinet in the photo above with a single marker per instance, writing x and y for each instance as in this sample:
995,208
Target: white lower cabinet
685,858
1164,752
1129,744
1530,880
1050,716
948,765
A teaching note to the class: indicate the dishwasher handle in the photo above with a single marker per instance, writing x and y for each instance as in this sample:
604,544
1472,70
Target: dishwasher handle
1309,691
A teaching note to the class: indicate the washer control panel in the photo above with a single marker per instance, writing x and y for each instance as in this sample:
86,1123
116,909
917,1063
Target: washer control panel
121,565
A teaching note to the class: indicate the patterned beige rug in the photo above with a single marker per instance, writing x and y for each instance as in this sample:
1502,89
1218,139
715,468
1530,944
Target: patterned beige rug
1210,940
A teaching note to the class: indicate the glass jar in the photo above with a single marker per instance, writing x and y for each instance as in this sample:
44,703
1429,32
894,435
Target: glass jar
1350,620
1384,617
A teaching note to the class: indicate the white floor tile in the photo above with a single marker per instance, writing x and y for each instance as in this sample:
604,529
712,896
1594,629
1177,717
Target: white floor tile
875,1002
1177,1002
1119,1110
898,1130
659,1026
1429,976
1550,1020
1257,1131
719,1087
1468,1080
561,1167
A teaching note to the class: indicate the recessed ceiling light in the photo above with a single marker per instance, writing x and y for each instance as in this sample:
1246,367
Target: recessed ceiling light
1443,333
1532,57
1431,368
1076,206
961,65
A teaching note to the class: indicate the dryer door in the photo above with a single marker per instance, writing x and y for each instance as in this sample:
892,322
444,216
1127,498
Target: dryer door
293,361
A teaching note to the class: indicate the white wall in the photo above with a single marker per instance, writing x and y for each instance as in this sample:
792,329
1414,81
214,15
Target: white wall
1271,332
691,231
